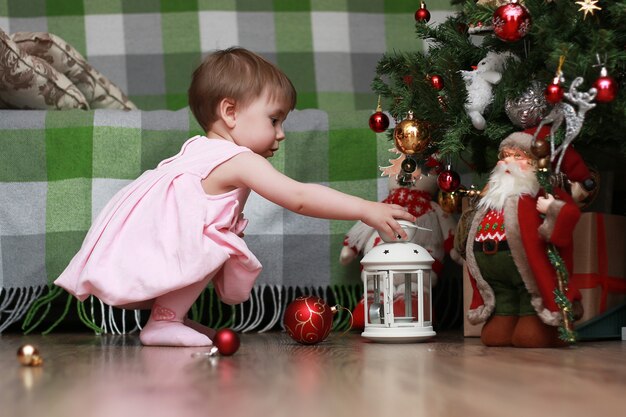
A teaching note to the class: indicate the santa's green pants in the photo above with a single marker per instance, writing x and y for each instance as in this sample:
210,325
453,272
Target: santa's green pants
500,272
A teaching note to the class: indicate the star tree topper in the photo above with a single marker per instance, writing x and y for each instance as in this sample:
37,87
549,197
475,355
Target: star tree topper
588,6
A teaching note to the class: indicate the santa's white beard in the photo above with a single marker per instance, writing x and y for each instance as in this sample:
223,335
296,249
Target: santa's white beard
508,179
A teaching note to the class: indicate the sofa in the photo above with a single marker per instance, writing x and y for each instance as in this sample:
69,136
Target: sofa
59,167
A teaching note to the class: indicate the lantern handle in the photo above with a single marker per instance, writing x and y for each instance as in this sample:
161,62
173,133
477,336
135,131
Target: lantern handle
408,224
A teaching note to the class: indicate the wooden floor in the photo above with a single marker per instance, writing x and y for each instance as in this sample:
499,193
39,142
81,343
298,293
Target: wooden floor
270,375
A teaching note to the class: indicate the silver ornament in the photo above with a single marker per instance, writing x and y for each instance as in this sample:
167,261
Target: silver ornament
528,109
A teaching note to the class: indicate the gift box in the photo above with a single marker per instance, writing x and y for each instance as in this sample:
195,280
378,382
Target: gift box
599,268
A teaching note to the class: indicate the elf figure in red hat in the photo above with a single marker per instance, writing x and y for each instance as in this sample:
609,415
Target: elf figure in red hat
511,275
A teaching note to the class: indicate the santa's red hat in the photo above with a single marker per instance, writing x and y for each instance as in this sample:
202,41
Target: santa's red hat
543,133
518,140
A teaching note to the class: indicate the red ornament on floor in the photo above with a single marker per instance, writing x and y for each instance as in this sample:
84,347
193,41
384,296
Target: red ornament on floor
308,319
511,22
379,122
226,341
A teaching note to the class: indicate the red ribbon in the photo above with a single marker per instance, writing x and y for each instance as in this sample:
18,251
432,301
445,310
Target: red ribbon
601,278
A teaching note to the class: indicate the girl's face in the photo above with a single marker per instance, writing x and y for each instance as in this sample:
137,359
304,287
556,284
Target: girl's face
259,125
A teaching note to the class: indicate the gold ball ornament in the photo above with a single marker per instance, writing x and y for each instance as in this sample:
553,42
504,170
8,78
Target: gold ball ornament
540,148
28,355
543,163
411,136
451,202
472,192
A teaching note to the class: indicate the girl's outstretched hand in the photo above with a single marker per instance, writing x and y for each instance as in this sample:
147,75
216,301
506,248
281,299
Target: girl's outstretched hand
384,218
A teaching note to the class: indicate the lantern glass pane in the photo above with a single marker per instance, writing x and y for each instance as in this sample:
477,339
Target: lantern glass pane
405,296
374,310
427,295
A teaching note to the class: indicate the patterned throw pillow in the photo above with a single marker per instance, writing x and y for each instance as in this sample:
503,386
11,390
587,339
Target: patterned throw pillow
100,92
28,82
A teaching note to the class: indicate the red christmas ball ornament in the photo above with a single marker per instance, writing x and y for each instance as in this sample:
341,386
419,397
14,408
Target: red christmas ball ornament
448,180
422,14
379,122
606,86
511,21
437,82
226,341
308,319
554,92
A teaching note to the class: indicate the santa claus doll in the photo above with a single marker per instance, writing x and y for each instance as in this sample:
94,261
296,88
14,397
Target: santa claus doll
506,250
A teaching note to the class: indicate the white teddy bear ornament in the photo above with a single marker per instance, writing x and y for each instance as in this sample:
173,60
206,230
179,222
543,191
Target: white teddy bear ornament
479,84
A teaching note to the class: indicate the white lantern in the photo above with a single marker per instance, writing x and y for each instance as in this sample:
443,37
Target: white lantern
397,285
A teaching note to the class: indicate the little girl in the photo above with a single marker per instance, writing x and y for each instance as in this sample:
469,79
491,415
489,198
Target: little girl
164,237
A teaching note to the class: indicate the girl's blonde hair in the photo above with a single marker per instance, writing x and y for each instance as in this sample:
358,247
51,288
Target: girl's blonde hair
239,74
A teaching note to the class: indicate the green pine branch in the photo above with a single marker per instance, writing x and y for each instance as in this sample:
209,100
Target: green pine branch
558,29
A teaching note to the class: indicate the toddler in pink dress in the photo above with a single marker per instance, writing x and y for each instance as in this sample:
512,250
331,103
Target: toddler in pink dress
161,239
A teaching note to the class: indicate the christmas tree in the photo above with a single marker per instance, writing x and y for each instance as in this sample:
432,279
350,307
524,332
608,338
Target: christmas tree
537,48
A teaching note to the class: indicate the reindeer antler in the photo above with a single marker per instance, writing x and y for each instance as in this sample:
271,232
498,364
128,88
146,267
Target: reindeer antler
573,119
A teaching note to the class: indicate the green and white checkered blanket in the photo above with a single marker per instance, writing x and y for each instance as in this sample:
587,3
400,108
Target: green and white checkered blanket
59,168
329,48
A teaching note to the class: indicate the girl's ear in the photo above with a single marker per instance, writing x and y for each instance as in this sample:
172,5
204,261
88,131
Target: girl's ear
227,111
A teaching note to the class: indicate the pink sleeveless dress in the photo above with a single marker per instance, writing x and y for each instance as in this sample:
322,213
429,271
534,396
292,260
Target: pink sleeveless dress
162,232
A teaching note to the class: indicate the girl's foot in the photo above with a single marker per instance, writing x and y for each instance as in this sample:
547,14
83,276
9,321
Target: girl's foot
171,333
207,331
164,328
